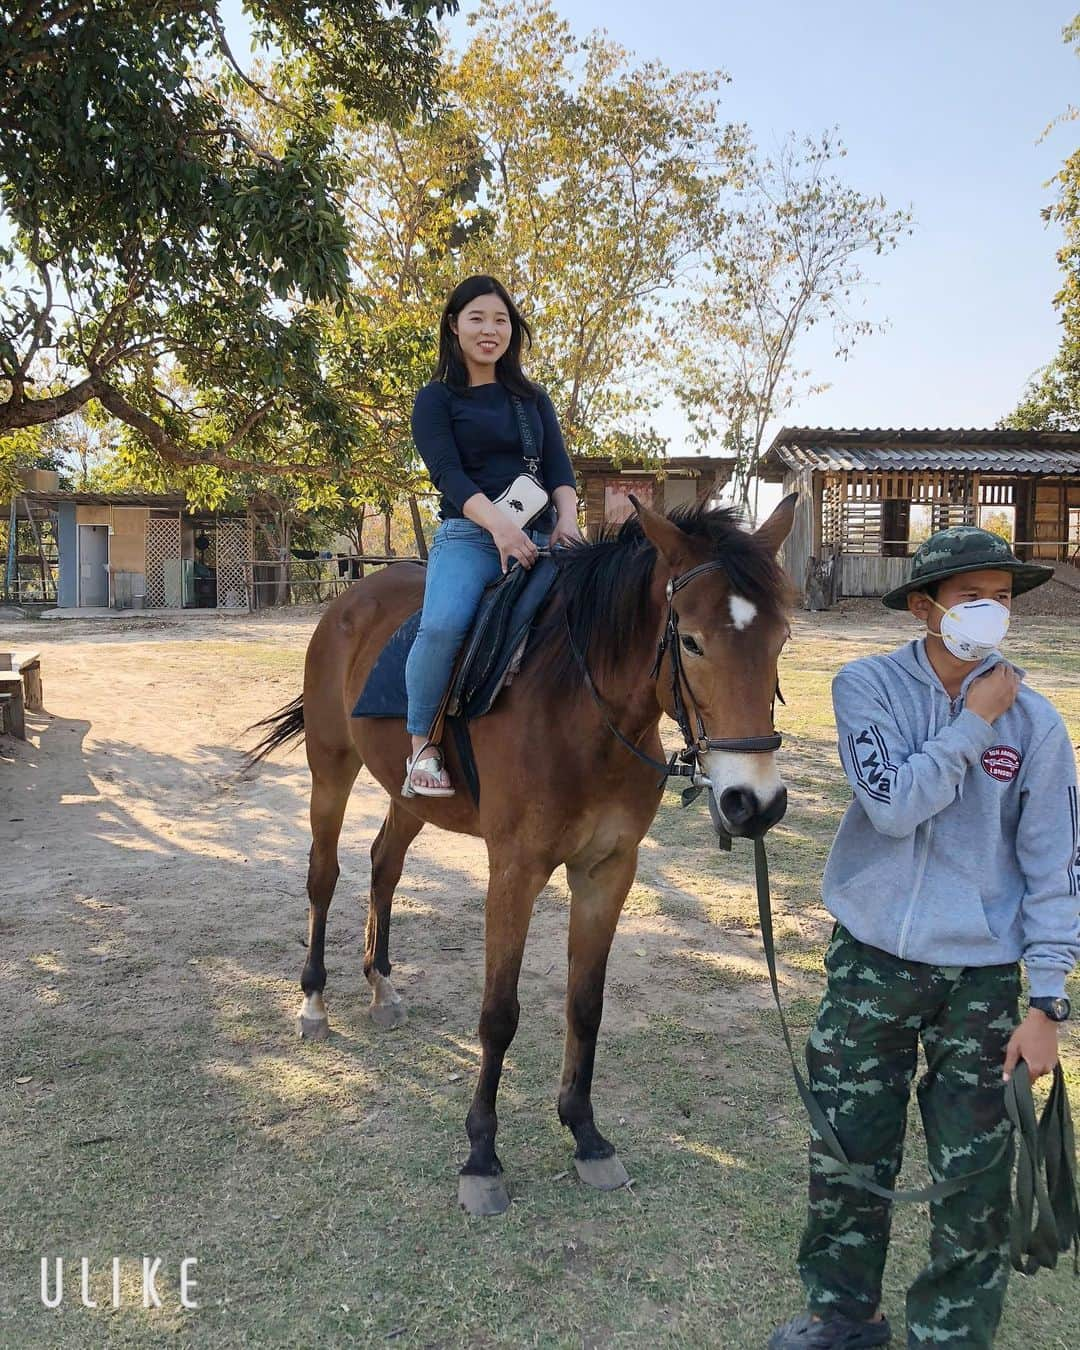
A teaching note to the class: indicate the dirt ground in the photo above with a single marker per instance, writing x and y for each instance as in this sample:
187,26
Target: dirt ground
152,1091
127,821
1053,599
127,827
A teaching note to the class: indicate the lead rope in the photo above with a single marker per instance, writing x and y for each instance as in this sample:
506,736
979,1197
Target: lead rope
1046,1161
1046,1213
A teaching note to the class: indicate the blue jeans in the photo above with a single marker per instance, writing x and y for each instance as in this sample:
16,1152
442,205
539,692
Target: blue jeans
462,563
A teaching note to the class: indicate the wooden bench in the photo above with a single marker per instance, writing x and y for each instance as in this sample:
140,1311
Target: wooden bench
11,694
20,690
29,668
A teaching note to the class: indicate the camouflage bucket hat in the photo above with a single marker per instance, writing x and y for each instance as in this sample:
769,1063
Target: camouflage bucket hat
965,548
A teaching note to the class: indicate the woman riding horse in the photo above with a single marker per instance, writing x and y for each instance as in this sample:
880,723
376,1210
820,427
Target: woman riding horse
469,424
683,614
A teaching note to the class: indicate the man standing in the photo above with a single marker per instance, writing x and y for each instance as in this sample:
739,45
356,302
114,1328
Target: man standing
957,859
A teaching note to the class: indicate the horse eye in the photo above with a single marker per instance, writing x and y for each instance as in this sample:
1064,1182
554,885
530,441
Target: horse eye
691,645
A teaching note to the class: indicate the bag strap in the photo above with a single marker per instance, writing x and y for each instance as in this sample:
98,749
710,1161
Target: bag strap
528,442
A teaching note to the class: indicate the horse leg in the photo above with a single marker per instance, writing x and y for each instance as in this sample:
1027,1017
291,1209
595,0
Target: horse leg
388,851
597,895
331,784
510,897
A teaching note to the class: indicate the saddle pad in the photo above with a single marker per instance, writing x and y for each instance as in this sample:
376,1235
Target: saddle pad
384,693
506,613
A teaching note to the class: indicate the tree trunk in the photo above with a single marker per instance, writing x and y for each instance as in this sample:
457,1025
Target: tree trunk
814,586
388,548
358,538
284,592
418,527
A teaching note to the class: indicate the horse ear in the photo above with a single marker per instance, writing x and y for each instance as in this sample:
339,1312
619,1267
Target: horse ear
669,540
777,528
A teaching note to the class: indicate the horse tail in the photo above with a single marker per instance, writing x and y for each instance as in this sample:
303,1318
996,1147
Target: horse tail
283,726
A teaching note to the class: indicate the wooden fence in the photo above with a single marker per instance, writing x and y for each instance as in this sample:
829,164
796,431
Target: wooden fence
309,580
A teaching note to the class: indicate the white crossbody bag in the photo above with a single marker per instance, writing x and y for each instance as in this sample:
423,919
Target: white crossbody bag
526,497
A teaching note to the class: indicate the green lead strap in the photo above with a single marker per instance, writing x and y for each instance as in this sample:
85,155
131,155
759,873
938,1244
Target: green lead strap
1046,1214
1046,1165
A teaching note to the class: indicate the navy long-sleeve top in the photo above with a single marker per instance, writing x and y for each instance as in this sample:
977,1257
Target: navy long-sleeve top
471,443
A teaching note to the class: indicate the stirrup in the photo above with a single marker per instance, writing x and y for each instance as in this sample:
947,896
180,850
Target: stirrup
432,764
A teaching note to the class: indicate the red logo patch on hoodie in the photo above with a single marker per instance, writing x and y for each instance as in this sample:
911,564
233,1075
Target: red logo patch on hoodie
1002,762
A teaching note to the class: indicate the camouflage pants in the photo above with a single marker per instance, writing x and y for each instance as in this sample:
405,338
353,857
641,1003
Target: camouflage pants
862,1056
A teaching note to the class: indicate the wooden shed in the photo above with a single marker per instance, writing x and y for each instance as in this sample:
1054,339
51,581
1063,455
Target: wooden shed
868,496
605,485
138,551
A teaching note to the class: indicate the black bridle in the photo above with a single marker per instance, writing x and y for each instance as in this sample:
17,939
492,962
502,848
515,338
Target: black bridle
684,763
670,643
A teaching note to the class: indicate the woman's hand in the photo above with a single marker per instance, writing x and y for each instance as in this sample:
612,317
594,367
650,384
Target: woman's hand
514,543
566,532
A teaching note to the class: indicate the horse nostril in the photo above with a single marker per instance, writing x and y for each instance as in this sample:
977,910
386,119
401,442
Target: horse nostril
776,810
737,805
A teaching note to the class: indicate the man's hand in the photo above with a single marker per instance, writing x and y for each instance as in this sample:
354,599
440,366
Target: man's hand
993,693
1035,1041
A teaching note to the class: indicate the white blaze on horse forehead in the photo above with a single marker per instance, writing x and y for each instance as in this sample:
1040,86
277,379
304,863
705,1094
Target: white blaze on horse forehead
743,611
758,773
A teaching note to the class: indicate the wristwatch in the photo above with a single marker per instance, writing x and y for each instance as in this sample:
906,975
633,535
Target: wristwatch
1057,1009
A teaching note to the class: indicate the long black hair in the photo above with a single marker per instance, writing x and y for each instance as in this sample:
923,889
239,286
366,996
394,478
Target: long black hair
451,367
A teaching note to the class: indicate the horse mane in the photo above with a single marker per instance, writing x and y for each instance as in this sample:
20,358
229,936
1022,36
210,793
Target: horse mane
600,600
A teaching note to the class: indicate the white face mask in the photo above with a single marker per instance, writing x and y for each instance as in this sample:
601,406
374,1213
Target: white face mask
975,629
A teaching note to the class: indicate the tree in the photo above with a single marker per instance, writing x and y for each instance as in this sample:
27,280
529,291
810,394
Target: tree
789,259
155,237
998,522
1051,401
21,450
587,182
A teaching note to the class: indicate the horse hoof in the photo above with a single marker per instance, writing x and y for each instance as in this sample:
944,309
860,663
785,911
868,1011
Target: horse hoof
482,1195
313,1028
604,1174
388,1015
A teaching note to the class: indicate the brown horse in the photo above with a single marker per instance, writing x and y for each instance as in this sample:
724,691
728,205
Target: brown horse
557,786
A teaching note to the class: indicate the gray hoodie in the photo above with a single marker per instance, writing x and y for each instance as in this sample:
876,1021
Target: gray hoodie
962,844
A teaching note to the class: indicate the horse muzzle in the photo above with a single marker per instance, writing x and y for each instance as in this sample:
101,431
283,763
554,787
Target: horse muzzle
745,817
748,791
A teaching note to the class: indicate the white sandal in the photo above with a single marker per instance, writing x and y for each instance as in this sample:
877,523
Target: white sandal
430,764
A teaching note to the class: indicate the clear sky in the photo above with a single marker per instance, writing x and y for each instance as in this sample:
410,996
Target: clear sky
941,106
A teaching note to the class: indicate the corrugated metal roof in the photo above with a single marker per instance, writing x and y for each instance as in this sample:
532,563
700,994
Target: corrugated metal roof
997,450
837,458
167,499
671,466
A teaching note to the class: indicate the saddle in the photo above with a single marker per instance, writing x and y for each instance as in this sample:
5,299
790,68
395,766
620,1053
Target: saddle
490,657
496,644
